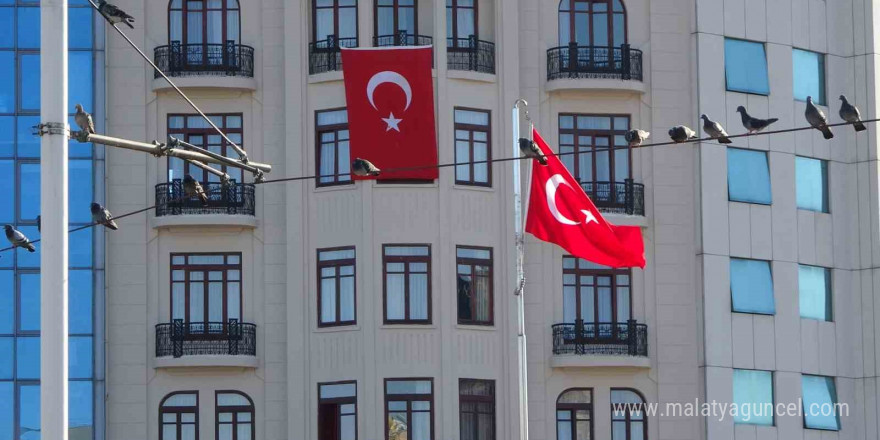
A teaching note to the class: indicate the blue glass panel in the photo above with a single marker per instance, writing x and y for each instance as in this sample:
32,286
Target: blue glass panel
80,302
7,135
79,351
80,248
753,396
80,82
29,190
7,186
80,187
25,258
28,145
29,301
814,290
751,287
7,82
29,412
809,75
79,417
28,28
30,82
811,179
7,302
79,28
7,403
820,396
7,38
7,354
745,67
27,357
748,176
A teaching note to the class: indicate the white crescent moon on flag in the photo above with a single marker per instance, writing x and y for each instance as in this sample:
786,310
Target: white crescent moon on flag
388,76
550,188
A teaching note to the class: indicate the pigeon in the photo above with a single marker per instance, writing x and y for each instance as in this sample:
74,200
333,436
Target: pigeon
530,149
715,130
850,113
817,119
636,137
38,224
84,120
362,167
18,239
680,133
192,188
754,125
102,216
113,14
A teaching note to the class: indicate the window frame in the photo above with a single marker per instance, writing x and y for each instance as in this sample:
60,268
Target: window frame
335,129
186,133
395,8
338,401
772,397
178,410
335,264
822,98
610,272
406,259
188,268
234,410
766,68
829,292
572,409
454,38
473,262
184,25
471,129
826,196
572,27
591,150
409,398
772,287
836,402
336,9
769,177
628,416
469,398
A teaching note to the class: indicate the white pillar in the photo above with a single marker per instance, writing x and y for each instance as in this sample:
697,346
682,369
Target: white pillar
519,239
53,209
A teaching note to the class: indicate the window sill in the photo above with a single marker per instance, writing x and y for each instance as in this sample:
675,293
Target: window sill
744,92
432,185
479,328
470,76
318,78
330,188
599,361
465,187
205,82
337,329
408,327
601,84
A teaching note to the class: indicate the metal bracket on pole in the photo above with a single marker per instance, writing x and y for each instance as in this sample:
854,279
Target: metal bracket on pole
51,128
255,170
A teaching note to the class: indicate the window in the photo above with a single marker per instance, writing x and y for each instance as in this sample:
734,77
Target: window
753,396
179,416
337,411
574,414
476,409
396,16
407,284
461,22
195,130
334,19
409,413
594,150
809,75
745,67
627,415
203,28
748,176
333,160
821,410
474,280
592,23
751,287
814,289
336,286
472,144
206,290
811,180
235,416
594,293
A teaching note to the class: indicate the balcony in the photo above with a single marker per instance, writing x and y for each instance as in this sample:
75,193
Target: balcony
325,55
233,204
402,39
199,344
625,197
228,65
589,344
470,54
616,68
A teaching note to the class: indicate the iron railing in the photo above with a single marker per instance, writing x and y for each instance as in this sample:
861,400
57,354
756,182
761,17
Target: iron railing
402,38
228,59
606,338
325,56
470,54
575,61
180,338
234,198
625,197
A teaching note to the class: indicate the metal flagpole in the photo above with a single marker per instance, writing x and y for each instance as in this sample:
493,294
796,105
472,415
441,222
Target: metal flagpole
53,209
520,280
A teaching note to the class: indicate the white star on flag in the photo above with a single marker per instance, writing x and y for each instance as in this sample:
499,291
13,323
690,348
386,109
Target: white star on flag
392,122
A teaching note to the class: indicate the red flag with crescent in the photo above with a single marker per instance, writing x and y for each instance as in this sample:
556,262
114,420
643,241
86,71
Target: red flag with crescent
389,93
560,212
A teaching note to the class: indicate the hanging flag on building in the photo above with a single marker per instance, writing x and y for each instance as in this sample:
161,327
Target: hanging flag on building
390,98
560,212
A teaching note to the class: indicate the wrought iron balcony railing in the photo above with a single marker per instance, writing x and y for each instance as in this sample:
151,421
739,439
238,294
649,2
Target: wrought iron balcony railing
604,338
402,39
470,54
227,59
234,198
625,197
325,56
180,338
575,61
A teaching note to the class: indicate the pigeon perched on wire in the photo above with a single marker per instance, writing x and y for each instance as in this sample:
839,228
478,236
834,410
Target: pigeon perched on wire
18,239
850,113
102,216
530,149
680,134
192,188
753,125
113,14
363,168
817,119
84,120
636,137
715,130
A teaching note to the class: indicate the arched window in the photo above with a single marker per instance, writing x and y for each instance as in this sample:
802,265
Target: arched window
203,27
599,23
179,416
627,415
235,416
574,414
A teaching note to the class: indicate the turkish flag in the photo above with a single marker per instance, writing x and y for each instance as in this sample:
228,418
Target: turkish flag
560,212
390,98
